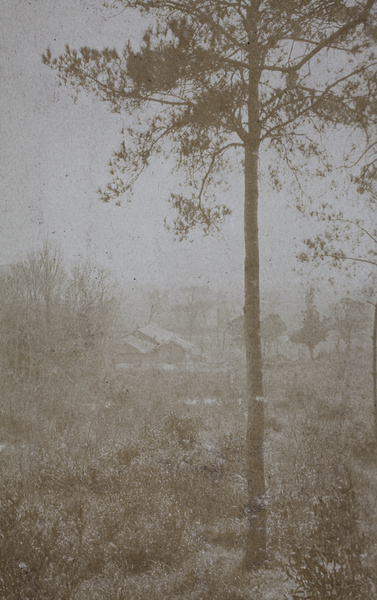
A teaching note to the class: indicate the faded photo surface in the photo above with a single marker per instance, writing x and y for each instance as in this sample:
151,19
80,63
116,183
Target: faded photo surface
188,312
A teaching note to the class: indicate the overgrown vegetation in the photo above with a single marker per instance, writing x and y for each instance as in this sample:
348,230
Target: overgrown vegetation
123,487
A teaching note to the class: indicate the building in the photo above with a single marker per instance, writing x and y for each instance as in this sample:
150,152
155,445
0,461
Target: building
153,344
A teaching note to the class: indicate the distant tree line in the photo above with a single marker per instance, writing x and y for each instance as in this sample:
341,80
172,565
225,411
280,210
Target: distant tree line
55,321
345,323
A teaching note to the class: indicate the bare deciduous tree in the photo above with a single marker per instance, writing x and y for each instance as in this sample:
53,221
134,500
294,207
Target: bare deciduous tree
51,318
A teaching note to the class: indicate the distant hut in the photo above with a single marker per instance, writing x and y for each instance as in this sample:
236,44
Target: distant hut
172,351
132,350
152,343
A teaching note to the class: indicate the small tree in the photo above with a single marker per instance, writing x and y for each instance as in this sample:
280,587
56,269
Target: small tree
191,309
31,312
155,301
272,328
348,317
235,329
314,328
91,308
224,310
350,245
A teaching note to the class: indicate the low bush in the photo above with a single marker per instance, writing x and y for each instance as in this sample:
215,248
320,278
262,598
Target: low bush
77,508
331,563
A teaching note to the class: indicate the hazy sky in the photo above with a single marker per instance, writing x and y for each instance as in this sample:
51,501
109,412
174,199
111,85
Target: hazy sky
54,155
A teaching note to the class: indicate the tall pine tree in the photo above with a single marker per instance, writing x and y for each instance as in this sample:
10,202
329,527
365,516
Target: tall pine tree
220,80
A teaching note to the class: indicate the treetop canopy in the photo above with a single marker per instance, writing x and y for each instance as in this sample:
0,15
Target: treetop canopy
189,84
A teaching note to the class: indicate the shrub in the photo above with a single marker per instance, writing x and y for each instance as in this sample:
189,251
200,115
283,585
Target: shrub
330,563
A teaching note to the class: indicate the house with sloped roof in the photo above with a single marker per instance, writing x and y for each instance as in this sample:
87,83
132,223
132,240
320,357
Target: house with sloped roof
137,345
156,333
164,336
151,344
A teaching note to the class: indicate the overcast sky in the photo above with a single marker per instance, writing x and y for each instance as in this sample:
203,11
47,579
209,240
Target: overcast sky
54,156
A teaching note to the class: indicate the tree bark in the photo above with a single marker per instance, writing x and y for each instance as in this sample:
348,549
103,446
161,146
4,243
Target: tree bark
255,554
374,371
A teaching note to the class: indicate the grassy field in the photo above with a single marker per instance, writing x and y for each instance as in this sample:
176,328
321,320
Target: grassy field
133,486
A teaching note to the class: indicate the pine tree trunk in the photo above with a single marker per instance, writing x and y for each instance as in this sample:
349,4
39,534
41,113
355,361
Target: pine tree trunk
374,371
255,553
256,539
